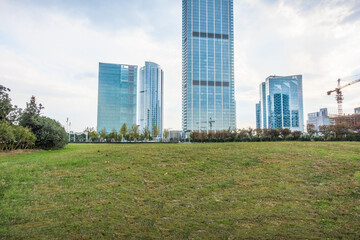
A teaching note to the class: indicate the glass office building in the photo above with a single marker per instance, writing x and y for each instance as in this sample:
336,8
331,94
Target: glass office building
319,118
208,100
117,96
281,103
151,97
258,115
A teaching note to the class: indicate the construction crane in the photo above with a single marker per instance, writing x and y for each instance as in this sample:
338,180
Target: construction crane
339,95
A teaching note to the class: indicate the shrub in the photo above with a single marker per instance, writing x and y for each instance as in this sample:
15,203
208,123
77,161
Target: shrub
49,133
15,137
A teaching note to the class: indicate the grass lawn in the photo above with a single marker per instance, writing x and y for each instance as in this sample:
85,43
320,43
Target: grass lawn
285,190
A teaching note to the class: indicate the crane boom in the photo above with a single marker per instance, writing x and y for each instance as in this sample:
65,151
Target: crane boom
339,95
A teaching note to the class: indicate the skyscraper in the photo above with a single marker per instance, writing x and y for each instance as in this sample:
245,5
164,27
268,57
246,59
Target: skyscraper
117,96
151,97
281,102
208,100
258,115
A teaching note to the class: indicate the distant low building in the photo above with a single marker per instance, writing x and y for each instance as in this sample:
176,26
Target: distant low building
175,134
350,119
357,110
319,118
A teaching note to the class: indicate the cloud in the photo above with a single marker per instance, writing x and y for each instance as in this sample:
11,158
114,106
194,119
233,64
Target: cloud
51,49
55,56
297,37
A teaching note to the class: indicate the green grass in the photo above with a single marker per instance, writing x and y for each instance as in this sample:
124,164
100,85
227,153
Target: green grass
286,190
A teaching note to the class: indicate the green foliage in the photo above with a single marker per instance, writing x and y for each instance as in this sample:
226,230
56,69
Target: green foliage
124,132
49,133
7,136
166,133
92,134
113,136
5,103
15,137
147,134
103,135
325,131
311,130
155,131
285,132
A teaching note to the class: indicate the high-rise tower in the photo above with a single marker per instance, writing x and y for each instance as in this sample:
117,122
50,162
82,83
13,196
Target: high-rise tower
151,97
281,103
208,100
117,96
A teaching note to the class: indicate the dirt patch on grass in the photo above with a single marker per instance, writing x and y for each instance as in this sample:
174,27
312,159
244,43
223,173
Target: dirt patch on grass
18,152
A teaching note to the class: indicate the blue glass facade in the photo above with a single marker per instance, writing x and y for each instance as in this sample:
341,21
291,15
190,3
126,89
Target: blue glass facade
151,97
117,96
281,103
258,115
208,100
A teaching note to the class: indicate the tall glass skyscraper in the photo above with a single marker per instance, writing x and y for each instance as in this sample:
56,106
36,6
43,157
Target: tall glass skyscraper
117,96
208,100
151,97
281,103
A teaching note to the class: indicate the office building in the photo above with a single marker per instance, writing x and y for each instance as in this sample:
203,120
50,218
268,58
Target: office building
352,120
281,103
357,110
208,102
258,115
320,118
116,96
151,79
175,134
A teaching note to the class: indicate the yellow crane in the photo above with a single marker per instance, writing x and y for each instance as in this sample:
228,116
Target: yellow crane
339,95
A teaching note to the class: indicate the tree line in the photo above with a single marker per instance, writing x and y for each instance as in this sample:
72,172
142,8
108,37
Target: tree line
131,134
337,132
26,128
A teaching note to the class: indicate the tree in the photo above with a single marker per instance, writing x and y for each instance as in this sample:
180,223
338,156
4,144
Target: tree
155,131
166,133
92,134
297,135
103,134
250,131
123,131
273,133
146,134
340,130
284,132
6,135
325,130
134,132
24,137
113,136
5,103
31,113
311,130
49,133
258,132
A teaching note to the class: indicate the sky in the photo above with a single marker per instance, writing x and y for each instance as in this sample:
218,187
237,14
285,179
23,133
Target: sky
52,48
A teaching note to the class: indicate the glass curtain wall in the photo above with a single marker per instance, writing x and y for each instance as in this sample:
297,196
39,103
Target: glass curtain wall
116,96
151,97
208,65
